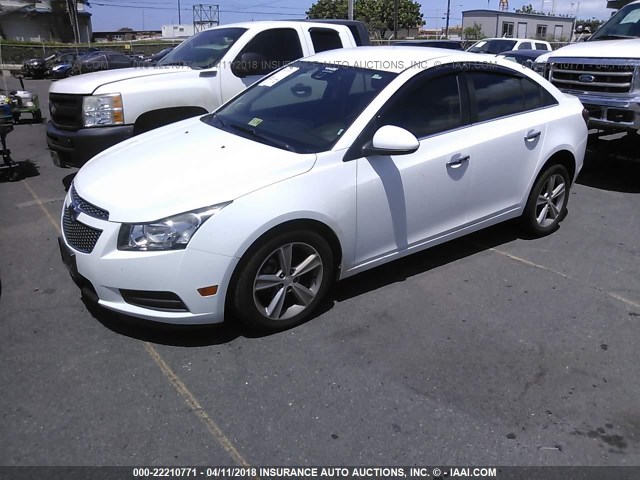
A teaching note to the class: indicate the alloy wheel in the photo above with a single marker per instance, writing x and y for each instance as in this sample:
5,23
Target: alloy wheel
550,200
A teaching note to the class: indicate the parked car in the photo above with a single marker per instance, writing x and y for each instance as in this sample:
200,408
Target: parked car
156,57
499,45
448,44
62,65
194,78
317,172
36,67
523,57
603,72
102,60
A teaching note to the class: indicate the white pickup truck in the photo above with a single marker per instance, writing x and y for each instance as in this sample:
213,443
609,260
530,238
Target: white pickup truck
94,111
604,72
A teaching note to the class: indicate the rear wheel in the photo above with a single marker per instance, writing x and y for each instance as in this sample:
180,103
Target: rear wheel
283,280
547,203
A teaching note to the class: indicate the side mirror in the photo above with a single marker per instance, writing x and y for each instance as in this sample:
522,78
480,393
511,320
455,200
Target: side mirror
391,140
249,63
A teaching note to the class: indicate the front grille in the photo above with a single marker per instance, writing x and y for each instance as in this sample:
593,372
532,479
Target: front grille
66,110
154,300
601,78
88,208
80,236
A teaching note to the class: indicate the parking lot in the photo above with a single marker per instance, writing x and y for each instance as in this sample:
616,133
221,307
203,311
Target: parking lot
490,350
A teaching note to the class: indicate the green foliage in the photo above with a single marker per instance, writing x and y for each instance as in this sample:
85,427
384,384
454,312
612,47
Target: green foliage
529,9
377,14
593,24
473,33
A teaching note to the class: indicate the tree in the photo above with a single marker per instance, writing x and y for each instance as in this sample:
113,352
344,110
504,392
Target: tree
473,33
377,14
529,9
593,24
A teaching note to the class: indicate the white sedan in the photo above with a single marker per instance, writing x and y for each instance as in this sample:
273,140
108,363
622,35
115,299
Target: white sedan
328,167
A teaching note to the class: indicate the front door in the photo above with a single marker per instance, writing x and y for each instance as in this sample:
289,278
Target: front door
405,200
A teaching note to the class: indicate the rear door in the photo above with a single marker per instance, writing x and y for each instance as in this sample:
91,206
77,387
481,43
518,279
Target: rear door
509,113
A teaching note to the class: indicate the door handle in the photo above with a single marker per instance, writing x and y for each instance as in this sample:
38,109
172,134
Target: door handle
532,135
455,162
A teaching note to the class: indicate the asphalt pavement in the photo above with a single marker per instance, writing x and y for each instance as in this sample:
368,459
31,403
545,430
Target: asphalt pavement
490,350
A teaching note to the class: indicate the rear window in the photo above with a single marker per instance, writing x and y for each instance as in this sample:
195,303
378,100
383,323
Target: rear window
493,46
324,39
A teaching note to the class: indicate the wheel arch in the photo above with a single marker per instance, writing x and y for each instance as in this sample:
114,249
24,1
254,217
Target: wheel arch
316,226
562,157
164,116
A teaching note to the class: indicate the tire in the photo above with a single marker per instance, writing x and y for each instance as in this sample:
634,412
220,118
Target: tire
547,203
281,301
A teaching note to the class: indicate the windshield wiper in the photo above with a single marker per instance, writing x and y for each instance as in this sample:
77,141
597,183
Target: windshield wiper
261,136
610,36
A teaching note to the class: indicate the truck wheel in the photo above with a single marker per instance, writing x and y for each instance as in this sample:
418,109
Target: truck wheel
547,202
282,280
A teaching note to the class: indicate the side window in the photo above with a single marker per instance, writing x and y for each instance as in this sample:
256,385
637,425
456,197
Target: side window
499,95
525,46
324,39
426,107
541,46
277,47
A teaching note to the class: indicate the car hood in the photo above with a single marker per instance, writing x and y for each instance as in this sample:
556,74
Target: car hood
182,167
627,48
89,82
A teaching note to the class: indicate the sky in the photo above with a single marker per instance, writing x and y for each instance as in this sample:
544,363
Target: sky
152,14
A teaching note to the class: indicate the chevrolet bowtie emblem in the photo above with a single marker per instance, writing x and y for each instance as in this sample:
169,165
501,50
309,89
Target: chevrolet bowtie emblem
74,210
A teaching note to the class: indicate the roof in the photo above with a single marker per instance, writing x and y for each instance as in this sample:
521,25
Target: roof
390,59
537,16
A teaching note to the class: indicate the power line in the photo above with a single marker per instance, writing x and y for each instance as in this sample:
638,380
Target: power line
189,9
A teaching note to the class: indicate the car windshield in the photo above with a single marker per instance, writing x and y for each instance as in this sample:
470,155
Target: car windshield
304,107
204,49
492,46
624,24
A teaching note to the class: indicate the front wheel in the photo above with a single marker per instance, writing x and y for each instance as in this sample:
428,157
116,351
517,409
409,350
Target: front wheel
283,280
547,203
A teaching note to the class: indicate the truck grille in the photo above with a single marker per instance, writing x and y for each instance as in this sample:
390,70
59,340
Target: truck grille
601,78
66,110
88,208
80,236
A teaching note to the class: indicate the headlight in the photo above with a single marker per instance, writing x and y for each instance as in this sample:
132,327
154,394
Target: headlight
171,233
98,110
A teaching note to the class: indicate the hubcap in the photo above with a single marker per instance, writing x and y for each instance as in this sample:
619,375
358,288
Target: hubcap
288,281
550,200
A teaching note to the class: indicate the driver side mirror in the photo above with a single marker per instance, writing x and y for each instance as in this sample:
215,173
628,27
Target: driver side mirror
249,63
391,140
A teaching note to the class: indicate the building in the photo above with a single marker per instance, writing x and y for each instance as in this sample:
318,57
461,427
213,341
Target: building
494,23
126,35
177,31
41,21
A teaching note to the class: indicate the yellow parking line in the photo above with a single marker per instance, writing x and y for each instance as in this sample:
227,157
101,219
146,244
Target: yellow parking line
195,406
41,205
564,275
178,384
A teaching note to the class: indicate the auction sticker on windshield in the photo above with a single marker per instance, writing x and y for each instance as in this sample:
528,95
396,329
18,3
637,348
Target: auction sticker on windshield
276,77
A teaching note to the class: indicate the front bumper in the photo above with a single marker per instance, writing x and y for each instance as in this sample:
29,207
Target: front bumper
106,271
608,112
75,148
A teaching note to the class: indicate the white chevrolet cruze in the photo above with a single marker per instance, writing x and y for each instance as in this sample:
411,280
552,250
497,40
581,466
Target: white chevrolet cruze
328,167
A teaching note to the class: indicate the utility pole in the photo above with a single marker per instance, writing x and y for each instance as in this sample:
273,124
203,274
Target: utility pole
179,18
446,28
395,19
350,10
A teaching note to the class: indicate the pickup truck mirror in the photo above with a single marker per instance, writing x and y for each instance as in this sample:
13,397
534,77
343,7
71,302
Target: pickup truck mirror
250,63
391,140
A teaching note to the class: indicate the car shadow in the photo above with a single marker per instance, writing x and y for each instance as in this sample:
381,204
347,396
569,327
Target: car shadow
418,263
396,271
612,165
166,334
